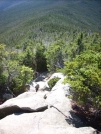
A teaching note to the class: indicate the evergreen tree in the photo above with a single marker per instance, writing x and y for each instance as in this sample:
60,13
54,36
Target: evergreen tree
84,75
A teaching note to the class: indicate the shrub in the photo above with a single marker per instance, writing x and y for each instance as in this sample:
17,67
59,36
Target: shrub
52,82
84,75
24,76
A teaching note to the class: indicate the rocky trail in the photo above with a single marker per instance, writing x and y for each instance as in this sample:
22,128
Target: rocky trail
43,112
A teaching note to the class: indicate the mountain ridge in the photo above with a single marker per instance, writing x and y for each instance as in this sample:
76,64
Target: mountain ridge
23,19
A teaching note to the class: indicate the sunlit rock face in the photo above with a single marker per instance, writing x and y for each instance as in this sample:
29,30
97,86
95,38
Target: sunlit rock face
42,112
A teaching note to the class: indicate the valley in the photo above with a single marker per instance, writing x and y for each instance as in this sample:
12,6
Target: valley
45,21
50,36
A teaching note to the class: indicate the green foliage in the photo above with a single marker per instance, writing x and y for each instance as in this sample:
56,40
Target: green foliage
82,42
33,56
54,56
84,75
48,21
12,73
2,77
28,55
2,51
52,82
40,60
24,76
42,24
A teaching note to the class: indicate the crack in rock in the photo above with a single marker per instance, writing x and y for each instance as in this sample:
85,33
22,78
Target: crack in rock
15,109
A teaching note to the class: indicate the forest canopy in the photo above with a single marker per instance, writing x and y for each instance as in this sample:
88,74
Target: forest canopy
79,60
52,35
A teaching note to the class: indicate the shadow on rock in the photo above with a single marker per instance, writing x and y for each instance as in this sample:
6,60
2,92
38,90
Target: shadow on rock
74,120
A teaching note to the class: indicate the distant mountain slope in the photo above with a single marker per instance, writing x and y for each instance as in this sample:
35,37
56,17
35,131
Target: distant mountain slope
45,19
4,4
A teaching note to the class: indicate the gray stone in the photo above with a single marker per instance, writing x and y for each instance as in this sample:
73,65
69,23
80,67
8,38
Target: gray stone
7,96
51,112
40,86
50,121
28,101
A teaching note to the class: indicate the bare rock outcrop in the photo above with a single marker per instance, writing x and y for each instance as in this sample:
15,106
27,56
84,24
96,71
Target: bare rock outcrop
42,112
27,102
50,121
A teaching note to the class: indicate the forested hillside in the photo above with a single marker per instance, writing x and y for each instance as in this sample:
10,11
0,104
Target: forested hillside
47,20
79,59
52,35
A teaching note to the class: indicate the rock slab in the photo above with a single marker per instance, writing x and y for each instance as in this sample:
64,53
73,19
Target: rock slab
42,112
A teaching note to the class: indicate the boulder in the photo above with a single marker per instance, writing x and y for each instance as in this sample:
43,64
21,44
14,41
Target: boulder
20,123
39,86
58,98
59,75
59,84
43,86
50,121
7,96
66,130
28,101
27,87
32,86
46,112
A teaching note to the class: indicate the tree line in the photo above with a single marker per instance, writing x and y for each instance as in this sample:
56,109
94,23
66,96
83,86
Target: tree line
78,57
